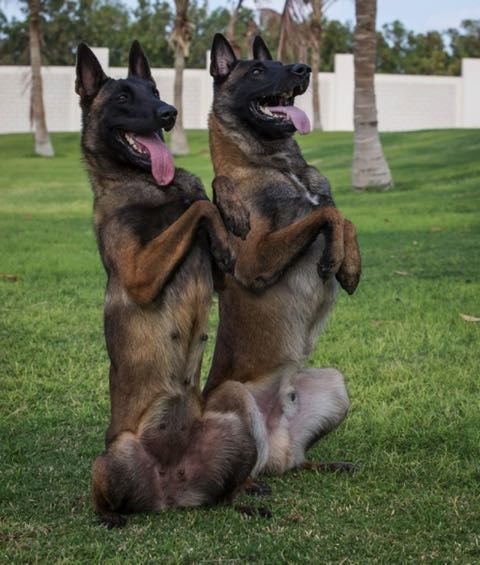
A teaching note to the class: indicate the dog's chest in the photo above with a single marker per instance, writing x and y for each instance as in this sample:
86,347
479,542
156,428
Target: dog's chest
283,201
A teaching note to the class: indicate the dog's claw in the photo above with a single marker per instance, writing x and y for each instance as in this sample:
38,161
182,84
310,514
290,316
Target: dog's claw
113,520
254,511
348,281
257,488
325,270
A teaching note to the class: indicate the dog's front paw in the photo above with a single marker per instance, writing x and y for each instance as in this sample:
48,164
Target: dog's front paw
328,265
348,278
238,224
351,268
235,214
224,257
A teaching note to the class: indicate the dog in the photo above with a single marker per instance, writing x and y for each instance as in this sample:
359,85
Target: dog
284,281
158,236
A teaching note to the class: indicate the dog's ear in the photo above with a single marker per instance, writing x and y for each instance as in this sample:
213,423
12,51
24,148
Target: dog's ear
260,50
90,75
137,63
222,57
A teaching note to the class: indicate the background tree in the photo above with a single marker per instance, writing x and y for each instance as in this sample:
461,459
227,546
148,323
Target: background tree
336,38
293,32
315,39
43,145
315,34
180,39
150,24
370,168
110,23
464,42
231,27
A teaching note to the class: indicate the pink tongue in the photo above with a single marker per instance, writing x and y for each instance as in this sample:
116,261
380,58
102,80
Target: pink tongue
163,168
298,117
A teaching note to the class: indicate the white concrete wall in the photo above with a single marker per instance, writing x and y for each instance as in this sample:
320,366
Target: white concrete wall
405,102
470,113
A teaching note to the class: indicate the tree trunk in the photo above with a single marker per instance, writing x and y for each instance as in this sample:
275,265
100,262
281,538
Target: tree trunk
285,27
179,144
180,41
370,169
315,40
230,31
43,145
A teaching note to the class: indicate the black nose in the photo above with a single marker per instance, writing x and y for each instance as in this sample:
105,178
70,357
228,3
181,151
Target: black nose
166,116
301,70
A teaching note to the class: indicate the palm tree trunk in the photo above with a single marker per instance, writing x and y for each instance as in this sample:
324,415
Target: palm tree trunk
315,39
232,22
179,144
285,26
370,168
43,145
180,40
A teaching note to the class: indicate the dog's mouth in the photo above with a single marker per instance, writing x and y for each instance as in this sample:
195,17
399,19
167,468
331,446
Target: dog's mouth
279,109
151,151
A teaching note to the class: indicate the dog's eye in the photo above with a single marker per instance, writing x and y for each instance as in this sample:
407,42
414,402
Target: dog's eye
122,98
156,93
257,72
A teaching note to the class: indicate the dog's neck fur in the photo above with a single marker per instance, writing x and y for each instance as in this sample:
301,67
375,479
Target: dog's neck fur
232,150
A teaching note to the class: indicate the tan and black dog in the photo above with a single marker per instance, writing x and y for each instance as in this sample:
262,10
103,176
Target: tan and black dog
157,235
285,278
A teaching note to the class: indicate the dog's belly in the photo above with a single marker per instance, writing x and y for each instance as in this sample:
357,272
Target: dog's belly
261,331
306,301
158,347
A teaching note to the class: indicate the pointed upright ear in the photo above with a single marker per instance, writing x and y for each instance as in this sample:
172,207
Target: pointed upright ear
137,63
90,75
222,57
260,50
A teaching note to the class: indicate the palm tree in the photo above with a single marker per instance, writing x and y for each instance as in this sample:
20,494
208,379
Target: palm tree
370,169
314,40
230,31
298,27
180,40
43,145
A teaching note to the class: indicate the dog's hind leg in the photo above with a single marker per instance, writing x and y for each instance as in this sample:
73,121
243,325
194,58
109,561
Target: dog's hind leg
303,408
123,481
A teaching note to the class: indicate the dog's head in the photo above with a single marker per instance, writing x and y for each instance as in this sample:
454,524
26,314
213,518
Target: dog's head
124,119
259,92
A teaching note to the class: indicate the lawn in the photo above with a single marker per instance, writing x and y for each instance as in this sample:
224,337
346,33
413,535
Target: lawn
411,360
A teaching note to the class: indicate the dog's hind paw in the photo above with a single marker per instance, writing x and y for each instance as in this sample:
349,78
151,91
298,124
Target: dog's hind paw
256,488
111,520
253,511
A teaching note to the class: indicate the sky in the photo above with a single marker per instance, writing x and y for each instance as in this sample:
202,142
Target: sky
417,15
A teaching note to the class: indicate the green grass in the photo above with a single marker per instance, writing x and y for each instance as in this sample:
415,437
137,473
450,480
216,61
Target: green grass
412,365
